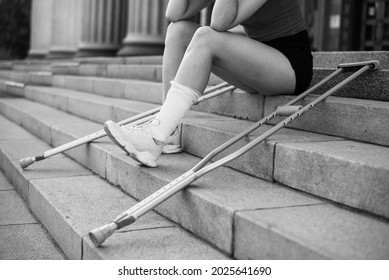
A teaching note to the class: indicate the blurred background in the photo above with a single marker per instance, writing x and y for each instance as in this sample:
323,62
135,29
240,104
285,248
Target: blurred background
74,28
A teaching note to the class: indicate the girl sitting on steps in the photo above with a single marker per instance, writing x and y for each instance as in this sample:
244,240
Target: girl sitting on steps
273,57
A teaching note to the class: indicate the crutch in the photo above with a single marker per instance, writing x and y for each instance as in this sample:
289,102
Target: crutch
99,235
140,118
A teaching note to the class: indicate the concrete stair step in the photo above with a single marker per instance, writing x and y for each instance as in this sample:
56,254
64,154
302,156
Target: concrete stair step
46,65
210,196
370,86
331,59
377,81
320,60
18,228
345,169
29,67
357,119
118,71
6,64
64,202
137,68
149,59
29,64
334,168
373,85
69,200
119,88
83,106
86,105
140,90
350,233
15,76
336,116
145,68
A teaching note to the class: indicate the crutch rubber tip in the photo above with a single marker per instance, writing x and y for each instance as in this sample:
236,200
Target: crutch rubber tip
99,235
26,162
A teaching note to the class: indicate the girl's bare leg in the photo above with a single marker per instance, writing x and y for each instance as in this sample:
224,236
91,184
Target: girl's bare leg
256,66
237,59
178,36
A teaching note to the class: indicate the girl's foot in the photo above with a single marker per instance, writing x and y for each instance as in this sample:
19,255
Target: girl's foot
137,141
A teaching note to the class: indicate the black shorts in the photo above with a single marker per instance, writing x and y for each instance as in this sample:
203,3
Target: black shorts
297,49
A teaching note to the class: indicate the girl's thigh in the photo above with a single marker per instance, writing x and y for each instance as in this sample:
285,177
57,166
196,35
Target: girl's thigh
251,65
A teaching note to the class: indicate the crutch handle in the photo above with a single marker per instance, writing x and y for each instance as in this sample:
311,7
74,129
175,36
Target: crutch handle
287,110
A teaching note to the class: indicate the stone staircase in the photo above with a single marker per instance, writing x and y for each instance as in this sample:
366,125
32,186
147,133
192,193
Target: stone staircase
318,189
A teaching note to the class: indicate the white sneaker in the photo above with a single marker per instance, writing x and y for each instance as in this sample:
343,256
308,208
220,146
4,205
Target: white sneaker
137,141
173,142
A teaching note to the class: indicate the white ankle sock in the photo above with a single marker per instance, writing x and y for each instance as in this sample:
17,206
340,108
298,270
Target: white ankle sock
178,101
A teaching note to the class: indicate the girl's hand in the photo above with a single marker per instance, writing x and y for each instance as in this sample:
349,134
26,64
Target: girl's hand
184,9
227,14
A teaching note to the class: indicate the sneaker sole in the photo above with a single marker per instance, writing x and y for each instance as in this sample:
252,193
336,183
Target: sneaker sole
140,157
171,149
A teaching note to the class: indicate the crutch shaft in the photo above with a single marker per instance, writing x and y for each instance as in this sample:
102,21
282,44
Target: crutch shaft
172,188
155,196
140,118
99,235
78,142
374,64
216,87
264,120
75,143
97,135
168,191
280,125
212,95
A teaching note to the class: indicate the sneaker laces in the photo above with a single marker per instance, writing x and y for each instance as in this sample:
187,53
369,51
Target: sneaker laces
141,129
144,129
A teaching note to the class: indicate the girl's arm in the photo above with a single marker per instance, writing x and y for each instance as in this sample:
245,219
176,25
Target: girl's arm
184,9
227,14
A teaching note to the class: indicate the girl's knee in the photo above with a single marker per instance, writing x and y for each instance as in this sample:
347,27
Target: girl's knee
205,36
204,33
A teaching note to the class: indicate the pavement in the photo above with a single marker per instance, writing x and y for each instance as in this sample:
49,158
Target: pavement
22,237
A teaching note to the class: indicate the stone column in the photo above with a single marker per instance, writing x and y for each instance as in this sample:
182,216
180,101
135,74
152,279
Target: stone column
146,28
103,24
41,27
65,31
205,15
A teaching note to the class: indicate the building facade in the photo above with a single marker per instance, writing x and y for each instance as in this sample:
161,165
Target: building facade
71,28
67,28
347,25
